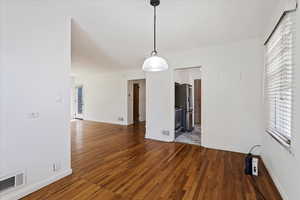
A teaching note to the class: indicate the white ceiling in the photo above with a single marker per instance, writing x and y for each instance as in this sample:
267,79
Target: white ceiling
117,34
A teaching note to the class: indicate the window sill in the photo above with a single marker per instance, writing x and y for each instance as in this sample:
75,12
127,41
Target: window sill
281,142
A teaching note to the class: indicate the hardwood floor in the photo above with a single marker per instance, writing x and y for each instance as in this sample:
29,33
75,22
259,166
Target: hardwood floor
112,162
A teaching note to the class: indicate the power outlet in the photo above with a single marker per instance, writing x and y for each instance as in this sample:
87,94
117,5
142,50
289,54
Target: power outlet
166,132
121,119
255,166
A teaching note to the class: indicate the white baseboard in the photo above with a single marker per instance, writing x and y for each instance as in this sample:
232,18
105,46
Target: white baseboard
159,139
26,190
107,122
223,148
131,123
276,181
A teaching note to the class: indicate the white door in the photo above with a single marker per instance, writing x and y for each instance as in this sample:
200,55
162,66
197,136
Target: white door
79,102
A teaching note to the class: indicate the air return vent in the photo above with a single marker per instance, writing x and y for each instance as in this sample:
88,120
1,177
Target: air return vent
11,182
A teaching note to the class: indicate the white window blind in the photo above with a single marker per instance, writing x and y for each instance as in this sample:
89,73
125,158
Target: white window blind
279,79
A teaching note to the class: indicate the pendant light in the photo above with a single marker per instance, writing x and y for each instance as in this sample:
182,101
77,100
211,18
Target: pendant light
155,63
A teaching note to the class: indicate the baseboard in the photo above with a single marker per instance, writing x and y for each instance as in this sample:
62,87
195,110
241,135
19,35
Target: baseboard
24,191
107,122
224,148
276,181
159,139
132,123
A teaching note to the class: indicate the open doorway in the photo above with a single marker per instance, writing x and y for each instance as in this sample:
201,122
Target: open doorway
79,106
188,105
136,101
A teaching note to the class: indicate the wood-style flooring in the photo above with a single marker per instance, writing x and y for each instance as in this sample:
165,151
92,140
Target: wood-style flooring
112,162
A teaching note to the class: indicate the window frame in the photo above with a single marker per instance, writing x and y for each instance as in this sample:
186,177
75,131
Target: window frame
281,138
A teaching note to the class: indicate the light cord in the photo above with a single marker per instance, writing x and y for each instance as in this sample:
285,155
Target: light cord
154,39
255,146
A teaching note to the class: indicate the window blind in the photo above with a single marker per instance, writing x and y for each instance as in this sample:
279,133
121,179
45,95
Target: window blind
279,79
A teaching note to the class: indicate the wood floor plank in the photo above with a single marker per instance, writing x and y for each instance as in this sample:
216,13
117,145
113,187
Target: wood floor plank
112,162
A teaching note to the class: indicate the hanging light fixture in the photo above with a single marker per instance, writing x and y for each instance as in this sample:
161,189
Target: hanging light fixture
155,63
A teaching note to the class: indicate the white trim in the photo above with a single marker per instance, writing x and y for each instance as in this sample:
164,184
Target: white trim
129,124
224,148
159,139
24,191
123,123
276,181
172,103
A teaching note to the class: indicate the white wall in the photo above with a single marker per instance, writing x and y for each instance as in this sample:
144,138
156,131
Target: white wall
35,78
187,75
142,100
159,106
232,89
182,76
105,95
2,12
283,166
103,98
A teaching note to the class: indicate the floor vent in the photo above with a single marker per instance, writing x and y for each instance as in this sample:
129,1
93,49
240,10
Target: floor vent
11,182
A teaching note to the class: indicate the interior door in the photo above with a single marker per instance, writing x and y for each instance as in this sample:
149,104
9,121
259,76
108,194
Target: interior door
136,94
79,103
197,101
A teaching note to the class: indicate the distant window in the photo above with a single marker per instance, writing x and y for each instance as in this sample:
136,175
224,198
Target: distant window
279,80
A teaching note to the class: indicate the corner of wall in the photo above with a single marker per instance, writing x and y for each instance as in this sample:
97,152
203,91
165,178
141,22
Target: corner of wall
275,179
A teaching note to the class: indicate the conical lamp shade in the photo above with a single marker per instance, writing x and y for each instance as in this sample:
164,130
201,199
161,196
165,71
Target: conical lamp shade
155,64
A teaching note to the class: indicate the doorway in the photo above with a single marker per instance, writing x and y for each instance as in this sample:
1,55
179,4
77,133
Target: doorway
136,104
136,107
188,91
79,103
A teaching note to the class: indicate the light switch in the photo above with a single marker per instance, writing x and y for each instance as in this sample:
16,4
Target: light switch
34,115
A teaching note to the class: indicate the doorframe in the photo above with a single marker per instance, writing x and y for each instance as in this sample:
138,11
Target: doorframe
172,103
79,116
128,106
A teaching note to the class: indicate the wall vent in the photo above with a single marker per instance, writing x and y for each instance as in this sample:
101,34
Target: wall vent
11,182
